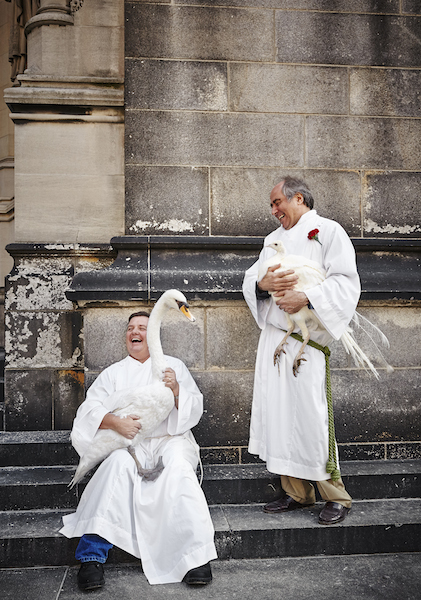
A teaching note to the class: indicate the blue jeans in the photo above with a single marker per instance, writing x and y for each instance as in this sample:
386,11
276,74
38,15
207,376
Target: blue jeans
92,547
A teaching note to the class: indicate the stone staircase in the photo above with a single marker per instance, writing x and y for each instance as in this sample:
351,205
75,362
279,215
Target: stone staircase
37,466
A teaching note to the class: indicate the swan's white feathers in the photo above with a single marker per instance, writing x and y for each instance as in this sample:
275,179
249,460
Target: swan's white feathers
311,273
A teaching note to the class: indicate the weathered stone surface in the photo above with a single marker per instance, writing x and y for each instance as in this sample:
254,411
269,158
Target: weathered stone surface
213,139
167,199
104,332
183,339
402,327
227,403
411,7
219,456
38,283
232,338
69,393
363,143
394,92
240,199
382,40
198,33
391,204
404,451
166,85
288,89
44,339
29,400
72,174
362,452
367,410
371,6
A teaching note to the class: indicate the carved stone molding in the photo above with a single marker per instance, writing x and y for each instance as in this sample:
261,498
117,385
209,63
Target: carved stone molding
53,12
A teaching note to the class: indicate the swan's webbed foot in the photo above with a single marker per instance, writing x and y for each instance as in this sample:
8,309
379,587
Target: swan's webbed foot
297,363
147,474
277,354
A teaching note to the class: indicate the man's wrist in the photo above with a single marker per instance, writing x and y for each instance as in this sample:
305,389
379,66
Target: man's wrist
261,294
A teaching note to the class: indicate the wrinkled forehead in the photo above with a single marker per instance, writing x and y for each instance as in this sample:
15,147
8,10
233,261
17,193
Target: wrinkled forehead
141,322
276,193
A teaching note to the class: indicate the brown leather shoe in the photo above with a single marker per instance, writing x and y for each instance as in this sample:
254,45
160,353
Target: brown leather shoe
284,504
332,513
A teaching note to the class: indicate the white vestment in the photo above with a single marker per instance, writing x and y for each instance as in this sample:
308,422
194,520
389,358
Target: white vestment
289,420
166,523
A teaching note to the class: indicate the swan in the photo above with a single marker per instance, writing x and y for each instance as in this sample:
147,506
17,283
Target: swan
151,403
311,273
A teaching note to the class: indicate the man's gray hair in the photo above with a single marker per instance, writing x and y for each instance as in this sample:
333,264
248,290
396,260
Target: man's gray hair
293,185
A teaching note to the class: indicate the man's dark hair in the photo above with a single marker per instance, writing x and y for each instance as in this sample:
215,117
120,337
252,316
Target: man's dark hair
293,185
139,313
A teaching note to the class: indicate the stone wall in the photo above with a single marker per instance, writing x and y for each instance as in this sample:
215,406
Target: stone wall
222,99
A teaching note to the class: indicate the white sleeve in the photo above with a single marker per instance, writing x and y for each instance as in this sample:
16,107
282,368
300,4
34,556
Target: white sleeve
190,401
336,299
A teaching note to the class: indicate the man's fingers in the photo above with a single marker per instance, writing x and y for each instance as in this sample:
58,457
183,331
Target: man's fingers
274,268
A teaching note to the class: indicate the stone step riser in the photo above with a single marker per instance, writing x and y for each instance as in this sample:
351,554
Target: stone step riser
375,539
55,494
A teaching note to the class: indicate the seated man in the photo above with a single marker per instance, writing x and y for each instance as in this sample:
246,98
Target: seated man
166,522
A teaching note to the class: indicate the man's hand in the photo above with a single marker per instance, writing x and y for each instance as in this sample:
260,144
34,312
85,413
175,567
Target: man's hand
128,427
170,381
291,301
277,282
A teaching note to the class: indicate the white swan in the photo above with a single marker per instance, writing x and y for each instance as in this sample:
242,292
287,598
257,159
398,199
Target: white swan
152,403
311,273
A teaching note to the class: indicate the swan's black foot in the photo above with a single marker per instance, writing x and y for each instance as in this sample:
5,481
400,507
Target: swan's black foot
297,364
277,355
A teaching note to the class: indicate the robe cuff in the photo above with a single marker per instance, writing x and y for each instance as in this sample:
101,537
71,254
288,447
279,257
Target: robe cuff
261,294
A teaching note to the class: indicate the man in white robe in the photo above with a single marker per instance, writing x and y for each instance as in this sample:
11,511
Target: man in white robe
166,522
289,420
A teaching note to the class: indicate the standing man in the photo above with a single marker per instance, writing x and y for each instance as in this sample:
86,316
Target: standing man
289,420
166,522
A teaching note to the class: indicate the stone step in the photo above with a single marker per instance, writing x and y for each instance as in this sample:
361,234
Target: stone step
28,488
34,448
31,538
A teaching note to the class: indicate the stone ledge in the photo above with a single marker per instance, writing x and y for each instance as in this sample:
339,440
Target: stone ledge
208,268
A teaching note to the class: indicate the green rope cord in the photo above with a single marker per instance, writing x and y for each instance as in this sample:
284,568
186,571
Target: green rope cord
332,463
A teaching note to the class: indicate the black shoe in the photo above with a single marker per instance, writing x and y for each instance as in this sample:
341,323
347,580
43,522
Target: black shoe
333,513
199,576
284,504
90,576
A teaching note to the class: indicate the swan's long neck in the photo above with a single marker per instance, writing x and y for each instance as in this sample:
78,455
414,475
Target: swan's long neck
154,339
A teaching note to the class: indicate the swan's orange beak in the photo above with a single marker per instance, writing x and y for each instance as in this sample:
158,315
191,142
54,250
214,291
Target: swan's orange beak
185,310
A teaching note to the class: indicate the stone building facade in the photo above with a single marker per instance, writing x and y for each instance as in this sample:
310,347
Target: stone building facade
147,139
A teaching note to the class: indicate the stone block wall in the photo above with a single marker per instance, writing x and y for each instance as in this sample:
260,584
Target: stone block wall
222,99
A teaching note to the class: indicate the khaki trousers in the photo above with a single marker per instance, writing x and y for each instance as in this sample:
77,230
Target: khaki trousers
303,491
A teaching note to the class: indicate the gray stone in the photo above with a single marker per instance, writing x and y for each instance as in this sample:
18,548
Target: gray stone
240,199
219,456
404,451
370,6
166,85
167,199
411,7
384,410
232,338
382,40
69,393
391,204
198,33
30,583
361,452
198,139
104,332
402,327
227,402
363,143
183,339
394,92
29,400
288,89
38,283
44,339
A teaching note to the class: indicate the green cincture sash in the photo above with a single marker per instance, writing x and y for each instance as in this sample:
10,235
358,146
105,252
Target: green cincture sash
332,464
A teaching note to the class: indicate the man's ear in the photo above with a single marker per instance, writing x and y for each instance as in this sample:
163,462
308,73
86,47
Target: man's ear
300,198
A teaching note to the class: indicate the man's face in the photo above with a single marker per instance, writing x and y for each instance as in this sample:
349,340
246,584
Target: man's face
287,212
136,343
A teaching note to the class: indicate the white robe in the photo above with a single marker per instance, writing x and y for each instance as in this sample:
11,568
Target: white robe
289,421
166,523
